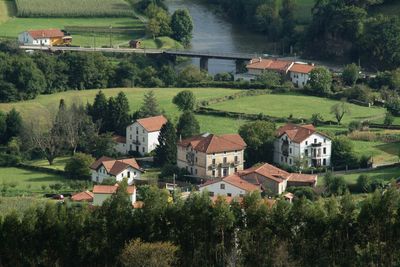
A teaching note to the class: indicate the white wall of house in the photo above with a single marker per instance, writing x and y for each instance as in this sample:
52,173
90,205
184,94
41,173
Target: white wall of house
98,199
99,175
223,189
130,173
138,139
121,148
26,38
305,150
299,79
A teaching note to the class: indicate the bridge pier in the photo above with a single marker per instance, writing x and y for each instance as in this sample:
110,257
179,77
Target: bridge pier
204,63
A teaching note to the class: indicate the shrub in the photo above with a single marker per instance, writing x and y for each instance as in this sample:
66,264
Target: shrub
364,183
335,185
77,166
354,125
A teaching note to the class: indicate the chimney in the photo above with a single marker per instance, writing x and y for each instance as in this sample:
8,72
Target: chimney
311,64
260,59
251,61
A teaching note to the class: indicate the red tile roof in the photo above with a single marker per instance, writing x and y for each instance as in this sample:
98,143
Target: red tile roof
48,33
83,196
268,64
152,124
303,178
114,167
210,143
111,189
266,170
234,180
296,133
301,68
119,139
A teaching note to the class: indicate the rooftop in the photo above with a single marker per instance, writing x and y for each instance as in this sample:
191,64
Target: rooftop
47,33
296,133
110,189
269,64
113,166
236,181
210,143
152,124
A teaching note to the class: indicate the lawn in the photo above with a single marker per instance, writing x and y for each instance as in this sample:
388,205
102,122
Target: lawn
46,105
23,180
58,164
380,152
382,173
299,106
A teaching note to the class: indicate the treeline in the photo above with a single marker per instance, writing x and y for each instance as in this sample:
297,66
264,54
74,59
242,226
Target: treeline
327,232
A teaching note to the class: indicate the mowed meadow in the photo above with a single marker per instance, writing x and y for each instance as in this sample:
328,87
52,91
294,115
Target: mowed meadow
74,8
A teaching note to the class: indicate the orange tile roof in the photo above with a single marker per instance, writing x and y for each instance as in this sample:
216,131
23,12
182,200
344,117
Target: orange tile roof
266,170
48,33
210,143
152,124
296,133
268,64
111,189
303,178
234,180
83,196
119,139
114,167
301,68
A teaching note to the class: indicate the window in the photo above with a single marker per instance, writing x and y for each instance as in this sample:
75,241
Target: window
211,194
235,151
143,139
224,152
290,150
324,140
225,159
324,162
225,172
213,154
213,161
129,174
195,171
134,173
143,149
236,159
213,173
222,186
306,152
236,169
97,179
196,159
290,161
130,136
306,142
282,158
324,150
137,130
143,130
315,140
229,194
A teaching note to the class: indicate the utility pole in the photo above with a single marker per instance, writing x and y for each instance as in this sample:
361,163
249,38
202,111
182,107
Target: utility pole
110,36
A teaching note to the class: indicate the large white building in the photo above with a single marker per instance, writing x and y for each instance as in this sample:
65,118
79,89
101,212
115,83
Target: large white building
46,37
142,135
302,143
106,167
299,73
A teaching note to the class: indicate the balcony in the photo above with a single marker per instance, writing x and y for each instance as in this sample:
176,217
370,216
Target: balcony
136,142
213,166
236,163
226,164
316,144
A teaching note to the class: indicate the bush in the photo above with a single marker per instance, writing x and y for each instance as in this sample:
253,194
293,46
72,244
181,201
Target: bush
364,183
300,192
169,170
77,166
335,185
354,126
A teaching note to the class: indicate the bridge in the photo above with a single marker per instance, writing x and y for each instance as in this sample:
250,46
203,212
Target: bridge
204,56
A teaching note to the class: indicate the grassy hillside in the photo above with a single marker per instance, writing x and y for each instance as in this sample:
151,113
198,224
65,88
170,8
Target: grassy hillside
299,106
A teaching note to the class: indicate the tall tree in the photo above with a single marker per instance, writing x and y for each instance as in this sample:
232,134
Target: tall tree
350,74
320,81
165,152
150,105
188,125
185,100
182,26
13,123
121,113
99,110
339,110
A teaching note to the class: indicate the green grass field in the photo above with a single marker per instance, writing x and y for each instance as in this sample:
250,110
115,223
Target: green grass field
300,106
45,105
25,180
58,164
386,174
20,204
380,152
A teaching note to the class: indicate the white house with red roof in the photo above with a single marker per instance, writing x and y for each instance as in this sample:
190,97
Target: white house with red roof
45,37
142,135
103,192
299,73
230,186
212,156
106,167
302,143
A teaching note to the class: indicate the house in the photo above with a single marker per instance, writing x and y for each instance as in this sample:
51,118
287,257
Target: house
273,180
230,186
48,37
85,196
142,135
299,73
120,144
103,192
210,155
106,167
135,43
303,144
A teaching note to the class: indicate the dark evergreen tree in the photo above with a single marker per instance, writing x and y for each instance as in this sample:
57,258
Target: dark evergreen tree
165,152
99,110
187,125
121,114
14,124
150,106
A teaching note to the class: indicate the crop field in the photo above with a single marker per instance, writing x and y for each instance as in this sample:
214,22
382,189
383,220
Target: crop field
74,8
299,106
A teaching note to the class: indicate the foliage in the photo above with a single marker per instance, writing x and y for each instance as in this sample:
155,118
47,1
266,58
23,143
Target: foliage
339,110
259,137
150,106
343,152
77,167
188,125
364,183
316,119
165,152
334,185
270,79
142,254
182,26
320,81
388,119
73,8
191,74
350,74
185,100
354,126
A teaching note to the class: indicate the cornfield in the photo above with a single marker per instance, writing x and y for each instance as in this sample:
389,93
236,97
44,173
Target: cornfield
74,8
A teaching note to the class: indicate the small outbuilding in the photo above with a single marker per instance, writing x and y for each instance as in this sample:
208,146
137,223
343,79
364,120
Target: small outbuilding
135,44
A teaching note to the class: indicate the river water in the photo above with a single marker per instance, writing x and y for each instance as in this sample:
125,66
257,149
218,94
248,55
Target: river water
213,33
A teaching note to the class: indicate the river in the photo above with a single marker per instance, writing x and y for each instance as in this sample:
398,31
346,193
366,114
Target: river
213,33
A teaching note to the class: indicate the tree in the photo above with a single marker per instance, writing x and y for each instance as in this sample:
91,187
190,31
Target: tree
316,119
3,127
259,137
339,110
77,167
320,81
142,254
120,114
343,152
185,100
269,78
188,125
99,110
150,106
364,183
153,27
165,152
335,185
350,74
190,75
13,124
182,26
388,119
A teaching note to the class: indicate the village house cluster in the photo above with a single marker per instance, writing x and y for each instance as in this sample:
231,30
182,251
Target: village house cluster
216,159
